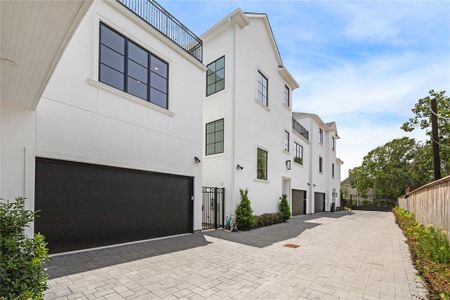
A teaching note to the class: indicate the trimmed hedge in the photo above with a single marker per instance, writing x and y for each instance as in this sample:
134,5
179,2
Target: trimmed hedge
268,219
430,249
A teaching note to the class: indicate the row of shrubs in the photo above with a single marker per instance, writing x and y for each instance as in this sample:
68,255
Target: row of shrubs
430,249
245,219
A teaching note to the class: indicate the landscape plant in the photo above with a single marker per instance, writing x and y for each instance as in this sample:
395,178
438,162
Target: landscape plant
284,209
22,275
245,219
430,249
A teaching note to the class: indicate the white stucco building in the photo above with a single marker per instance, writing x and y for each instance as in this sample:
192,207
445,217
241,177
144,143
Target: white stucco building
316,174
107,152
247,112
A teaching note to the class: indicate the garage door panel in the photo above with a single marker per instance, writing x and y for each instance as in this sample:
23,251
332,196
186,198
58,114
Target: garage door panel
85,205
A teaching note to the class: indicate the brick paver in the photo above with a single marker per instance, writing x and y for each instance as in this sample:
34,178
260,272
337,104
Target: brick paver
357,256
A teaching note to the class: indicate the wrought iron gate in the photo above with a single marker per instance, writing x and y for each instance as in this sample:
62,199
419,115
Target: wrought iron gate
213,213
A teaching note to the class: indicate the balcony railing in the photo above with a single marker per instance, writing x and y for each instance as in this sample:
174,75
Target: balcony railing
160,19
300,129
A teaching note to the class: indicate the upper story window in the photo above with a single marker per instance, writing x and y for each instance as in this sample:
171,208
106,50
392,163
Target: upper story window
263,89
261,164
320,164
132,69
215,137
298,157
287,96
286,140
333,143
320,135
332,170
215,76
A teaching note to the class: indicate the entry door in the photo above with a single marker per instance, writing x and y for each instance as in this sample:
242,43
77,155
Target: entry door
83,205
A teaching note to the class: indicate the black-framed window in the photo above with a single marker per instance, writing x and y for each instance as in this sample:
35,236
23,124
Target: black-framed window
128,67
320,164
263,89
298,157
215,137
320,135
333,143
261,168
215,76
286,140
332,170
287,96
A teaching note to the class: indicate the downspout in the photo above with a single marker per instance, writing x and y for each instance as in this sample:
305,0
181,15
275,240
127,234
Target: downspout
233,125
310,192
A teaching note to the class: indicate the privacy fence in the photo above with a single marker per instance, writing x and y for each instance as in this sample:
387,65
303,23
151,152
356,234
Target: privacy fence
430,203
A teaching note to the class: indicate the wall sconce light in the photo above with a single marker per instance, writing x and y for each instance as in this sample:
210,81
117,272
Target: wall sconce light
239,167
288,164
309,183
314,185
197,160
334,194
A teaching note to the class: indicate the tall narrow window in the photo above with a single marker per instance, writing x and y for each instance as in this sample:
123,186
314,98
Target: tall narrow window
130,68
261,168
215,137
320,135
320,164
286,140
333,143
263,89
287,96
298,158
332,170
215,76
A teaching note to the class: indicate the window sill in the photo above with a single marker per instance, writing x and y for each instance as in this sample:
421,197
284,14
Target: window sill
215,94
262,105
262,180
297,164
129,97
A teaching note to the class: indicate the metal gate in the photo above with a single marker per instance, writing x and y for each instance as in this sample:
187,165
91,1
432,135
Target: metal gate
213,213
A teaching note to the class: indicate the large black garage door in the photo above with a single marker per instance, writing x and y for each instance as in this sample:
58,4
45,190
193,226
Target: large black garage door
298,202
84,205
319,202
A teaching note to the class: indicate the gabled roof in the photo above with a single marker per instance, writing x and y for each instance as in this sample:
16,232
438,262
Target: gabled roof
330,126
242,19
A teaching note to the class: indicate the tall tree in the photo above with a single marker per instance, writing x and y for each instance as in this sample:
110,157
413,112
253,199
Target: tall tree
422,120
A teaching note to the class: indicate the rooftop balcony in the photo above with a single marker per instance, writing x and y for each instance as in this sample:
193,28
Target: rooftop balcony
160,19
300,129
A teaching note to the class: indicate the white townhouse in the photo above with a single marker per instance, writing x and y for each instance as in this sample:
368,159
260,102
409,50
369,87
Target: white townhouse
316,170
101,120
247,112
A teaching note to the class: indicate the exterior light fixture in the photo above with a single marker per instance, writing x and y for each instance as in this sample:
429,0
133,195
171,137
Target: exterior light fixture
239,167
197,160
288,164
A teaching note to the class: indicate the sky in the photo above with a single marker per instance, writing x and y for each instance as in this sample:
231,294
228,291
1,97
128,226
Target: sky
362,64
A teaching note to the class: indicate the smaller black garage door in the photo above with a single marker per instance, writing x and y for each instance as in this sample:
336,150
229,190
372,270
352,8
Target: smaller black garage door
83,205
319,202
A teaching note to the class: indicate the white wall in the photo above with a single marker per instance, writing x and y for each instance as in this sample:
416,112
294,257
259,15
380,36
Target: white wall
301,172
82,120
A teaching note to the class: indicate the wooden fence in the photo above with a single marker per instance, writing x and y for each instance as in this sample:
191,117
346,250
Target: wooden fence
430,203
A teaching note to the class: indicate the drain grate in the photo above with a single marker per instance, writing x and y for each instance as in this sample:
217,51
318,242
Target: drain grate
291,245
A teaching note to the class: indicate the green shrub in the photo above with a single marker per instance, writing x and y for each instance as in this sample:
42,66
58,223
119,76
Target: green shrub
284,209
22,275
245,219
268,219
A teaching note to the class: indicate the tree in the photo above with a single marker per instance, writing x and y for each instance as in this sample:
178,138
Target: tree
422,120
284,209
245,219
386,169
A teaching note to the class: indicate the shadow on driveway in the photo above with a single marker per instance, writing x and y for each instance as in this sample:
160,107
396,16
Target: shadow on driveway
266,236
72,263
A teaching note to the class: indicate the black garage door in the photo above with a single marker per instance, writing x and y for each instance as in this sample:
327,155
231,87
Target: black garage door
319,202
298,202
84,205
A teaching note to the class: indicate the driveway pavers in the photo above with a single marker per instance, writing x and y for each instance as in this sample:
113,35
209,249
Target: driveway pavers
357,256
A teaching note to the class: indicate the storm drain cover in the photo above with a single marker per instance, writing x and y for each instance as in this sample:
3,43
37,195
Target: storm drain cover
291,246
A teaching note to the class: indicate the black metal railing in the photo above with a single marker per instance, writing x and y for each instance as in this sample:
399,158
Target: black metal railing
300,129
213,213
160,19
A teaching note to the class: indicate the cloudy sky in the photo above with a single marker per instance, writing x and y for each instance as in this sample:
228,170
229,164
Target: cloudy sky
361,64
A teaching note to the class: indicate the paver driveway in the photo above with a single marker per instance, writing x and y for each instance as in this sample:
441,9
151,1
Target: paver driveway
356,256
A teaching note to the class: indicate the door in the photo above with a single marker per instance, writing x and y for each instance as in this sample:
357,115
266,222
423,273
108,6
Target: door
319,202
298,202
84,205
